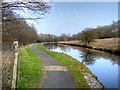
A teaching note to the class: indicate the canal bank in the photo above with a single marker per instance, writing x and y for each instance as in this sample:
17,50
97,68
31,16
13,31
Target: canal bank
110,45
102,64
81,74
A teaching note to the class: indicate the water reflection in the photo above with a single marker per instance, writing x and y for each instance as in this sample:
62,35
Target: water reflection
103,65
88,57
99,54
51,46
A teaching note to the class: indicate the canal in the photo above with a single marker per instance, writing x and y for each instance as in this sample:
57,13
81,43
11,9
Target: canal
104,65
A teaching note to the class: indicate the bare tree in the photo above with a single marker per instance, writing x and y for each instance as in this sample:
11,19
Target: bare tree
33,7
15,27
87,36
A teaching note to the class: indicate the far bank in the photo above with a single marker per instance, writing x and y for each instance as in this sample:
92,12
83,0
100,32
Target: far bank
110,45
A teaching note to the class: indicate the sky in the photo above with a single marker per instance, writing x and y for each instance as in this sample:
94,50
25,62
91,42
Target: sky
74,17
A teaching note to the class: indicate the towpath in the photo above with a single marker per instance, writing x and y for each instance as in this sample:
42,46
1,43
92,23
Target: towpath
57,75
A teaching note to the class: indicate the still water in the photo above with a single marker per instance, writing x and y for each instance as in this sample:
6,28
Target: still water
104,65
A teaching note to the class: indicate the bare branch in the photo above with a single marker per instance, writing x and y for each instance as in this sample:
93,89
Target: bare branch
22,19
35,7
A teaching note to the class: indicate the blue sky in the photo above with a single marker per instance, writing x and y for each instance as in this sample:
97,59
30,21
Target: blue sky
73,17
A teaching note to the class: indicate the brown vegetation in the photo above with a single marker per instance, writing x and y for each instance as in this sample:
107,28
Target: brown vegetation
14,27
7,69
18,30
108,43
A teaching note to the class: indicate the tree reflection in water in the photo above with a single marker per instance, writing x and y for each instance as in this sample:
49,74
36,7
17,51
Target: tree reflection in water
63,48
88,57
51,46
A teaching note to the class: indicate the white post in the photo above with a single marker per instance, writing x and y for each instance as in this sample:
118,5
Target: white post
16,46
15,65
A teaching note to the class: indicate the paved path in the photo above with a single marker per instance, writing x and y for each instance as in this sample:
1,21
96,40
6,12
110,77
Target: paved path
57,75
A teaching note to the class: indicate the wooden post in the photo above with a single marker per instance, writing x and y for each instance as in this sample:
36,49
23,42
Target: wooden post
15,65
0,46
15,46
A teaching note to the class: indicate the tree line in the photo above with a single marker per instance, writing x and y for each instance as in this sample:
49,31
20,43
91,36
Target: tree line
100,32
19,30
16,28
88,34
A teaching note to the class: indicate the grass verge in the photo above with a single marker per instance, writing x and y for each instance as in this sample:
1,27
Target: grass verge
75,67
30,68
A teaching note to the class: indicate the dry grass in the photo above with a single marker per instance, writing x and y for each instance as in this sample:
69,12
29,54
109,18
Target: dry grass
71,42
7,69
109,43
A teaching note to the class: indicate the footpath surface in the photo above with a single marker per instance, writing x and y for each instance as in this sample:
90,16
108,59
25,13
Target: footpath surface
56,75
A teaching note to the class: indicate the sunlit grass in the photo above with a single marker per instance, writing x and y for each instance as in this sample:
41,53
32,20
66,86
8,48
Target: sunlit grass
75,67
30,70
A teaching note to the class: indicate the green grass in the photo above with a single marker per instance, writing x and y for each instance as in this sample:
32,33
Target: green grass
74,66
30,68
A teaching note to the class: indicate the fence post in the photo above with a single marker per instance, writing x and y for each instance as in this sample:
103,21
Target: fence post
15,65
0,46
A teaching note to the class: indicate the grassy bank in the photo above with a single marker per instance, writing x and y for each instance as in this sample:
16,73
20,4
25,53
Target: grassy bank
75,67
30,68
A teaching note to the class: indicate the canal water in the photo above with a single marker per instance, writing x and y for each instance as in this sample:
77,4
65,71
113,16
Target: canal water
104,65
